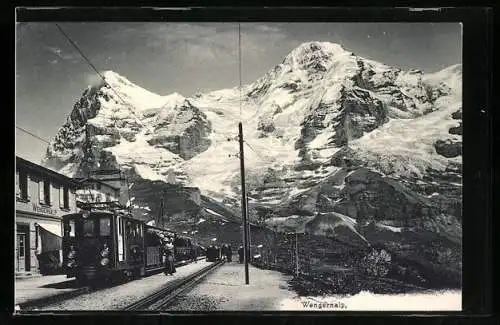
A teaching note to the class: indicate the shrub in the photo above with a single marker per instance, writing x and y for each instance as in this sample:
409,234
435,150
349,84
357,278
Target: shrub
377,263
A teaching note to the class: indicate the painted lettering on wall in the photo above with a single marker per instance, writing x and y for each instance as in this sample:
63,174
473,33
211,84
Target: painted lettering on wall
44,210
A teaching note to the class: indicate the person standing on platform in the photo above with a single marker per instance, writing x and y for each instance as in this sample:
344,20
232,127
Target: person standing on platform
229,253
240,253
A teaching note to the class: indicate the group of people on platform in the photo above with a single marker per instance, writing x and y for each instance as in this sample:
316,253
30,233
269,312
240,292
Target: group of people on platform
168,255
226,252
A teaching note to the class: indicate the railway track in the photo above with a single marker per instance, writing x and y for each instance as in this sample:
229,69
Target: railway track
165,296
36,304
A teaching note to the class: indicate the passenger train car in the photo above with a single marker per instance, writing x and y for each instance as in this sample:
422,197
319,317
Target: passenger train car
104,244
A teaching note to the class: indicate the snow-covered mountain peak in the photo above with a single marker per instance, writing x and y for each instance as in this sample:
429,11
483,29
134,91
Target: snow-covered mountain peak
314,58
174,100
114,78
311,51
326,132
450,76
299,118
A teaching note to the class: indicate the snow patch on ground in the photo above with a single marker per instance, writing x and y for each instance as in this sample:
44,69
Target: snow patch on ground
213,212
393,229
367,301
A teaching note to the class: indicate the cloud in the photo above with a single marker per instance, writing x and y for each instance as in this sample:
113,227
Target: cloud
92,79
60,54
202,43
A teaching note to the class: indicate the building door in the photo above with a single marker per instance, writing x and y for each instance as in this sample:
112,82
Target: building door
21,249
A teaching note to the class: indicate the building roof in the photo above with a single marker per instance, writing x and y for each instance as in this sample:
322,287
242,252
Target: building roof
94,180
43,170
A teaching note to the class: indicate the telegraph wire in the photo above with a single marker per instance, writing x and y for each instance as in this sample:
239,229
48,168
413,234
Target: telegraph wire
88,61
99,74
255,151
80,51
32,134
111,87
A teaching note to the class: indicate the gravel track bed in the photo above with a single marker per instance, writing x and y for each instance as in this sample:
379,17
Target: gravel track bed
225,289
117,298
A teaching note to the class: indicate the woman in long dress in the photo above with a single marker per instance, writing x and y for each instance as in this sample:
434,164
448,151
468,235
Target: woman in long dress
169,258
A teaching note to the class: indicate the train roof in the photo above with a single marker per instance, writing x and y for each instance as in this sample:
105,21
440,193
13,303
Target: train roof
159,229
100,212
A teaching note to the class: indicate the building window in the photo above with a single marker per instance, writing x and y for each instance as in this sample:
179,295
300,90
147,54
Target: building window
66,198
41,192
22,185
18,189
98,186
21,243
108,197
98,197
44,192
63,197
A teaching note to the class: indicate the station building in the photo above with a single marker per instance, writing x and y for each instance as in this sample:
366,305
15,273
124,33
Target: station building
42,198
97,191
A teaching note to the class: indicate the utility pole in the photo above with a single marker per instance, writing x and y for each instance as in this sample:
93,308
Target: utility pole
243,203
250,258
296,254
160,220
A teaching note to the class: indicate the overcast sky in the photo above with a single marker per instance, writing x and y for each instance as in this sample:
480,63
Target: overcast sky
190,57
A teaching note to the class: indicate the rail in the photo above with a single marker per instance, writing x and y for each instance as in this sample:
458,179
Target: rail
162,298
37,303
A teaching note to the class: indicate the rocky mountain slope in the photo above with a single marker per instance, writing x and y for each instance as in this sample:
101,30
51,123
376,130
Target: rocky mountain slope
336,145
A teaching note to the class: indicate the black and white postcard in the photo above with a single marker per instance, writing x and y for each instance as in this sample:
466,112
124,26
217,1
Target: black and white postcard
238,166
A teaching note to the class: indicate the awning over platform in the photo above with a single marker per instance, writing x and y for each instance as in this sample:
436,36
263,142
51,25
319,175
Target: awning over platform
49,237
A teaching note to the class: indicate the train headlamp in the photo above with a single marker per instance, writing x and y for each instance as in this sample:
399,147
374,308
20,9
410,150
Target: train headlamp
105,252
72,253
105,261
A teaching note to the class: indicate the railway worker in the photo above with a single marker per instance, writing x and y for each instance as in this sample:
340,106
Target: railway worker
194,254
223,252
240,253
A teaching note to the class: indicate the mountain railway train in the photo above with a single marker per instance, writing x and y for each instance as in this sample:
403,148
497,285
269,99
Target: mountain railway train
213,254
104,244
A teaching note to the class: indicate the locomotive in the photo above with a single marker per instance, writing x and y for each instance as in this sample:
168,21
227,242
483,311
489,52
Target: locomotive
105,244
213,254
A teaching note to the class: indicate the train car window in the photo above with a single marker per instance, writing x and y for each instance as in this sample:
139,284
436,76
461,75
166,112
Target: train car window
128,228
104,226
69,228
88,228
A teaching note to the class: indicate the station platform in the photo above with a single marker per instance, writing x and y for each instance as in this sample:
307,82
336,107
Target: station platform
29,288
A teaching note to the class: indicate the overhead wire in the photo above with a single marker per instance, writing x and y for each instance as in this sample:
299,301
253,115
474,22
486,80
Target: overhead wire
32,134
127,105
89,62
37,37
255,151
